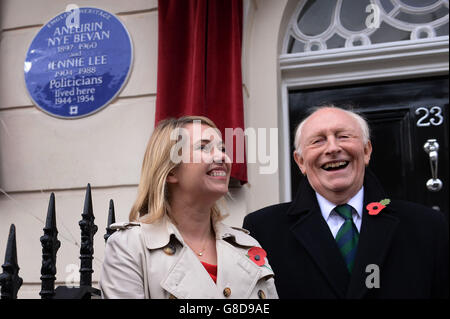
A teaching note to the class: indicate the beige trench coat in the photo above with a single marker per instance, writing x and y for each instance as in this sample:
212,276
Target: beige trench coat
152,261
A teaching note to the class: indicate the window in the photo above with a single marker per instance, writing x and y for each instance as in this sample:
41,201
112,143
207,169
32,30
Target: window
336,24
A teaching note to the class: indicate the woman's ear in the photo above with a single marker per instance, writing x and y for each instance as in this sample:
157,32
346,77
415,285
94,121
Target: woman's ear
172,178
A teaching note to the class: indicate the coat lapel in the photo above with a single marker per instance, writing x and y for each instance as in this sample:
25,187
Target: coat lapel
184,276
312,231
246,273
375,238
244,276
187,273
374,242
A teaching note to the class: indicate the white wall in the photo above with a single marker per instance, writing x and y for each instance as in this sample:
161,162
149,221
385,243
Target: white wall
261,97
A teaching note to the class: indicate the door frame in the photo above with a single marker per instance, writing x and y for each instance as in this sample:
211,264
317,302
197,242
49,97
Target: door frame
364,64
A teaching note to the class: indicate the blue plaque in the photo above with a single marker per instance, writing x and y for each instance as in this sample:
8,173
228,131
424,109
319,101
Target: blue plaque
78,63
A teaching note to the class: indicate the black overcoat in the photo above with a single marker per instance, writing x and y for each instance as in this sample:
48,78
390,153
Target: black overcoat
407,242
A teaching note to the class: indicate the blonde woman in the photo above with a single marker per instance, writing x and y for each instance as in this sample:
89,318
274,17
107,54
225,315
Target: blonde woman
175,245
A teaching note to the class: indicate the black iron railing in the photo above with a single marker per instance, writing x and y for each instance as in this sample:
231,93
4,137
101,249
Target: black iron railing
10,280
50,245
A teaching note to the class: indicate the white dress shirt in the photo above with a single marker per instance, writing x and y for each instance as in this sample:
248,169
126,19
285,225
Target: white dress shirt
333,219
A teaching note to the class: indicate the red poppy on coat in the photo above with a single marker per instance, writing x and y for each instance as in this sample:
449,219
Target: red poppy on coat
257,255
376,207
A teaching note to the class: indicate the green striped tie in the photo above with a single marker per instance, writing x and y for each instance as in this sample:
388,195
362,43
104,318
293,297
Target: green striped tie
347,236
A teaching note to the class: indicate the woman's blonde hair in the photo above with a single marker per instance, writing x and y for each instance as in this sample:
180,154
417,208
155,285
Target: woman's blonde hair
152,202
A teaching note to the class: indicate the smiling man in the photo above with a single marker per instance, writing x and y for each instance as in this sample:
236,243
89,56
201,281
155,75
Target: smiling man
325,244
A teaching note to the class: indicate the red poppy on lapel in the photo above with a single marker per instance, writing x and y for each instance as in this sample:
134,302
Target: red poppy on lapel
376,207
257,255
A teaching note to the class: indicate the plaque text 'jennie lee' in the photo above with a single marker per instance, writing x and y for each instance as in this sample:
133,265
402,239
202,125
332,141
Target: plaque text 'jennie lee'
73,69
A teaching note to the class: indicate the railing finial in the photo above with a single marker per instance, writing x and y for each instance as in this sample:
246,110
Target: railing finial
50,246
88,230
111,220
9,279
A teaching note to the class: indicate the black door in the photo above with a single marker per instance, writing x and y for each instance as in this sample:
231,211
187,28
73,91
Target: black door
403,117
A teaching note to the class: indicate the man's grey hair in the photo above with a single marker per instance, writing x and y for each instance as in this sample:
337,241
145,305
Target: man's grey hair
359,119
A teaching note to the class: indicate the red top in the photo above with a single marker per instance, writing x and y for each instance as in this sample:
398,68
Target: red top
211,269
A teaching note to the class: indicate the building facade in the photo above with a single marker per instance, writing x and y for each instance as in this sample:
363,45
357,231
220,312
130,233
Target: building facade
289,63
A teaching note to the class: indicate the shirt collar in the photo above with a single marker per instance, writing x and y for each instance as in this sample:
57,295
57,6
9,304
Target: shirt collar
356,202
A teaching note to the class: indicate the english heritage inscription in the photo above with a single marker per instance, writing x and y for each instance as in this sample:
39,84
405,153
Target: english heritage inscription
78,62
